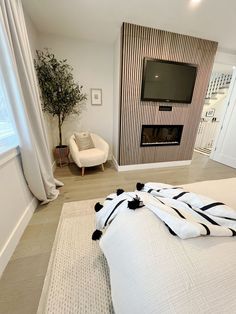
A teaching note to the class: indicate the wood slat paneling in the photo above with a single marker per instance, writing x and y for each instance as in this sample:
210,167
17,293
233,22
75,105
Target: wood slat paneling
139,42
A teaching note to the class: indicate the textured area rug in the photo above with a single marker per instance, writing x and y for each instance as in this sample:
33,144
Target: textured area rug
77,279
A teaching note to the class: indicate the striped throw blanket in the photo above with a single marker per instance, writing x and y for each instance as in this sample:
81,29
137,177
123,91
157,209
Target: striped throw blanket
185,214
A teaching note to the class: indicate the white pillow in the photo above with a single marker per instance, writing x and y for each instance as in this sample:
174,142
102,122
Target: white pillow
84,141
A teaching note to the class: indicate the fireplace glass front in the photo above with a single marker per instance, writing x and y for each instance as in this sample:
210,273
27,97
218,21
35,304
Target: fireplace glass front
159,135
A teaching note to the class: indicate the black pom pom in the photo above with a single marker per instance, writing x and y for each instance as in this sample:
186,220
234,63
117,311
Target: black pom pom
135,203
139,186
119,191
96,235
97,207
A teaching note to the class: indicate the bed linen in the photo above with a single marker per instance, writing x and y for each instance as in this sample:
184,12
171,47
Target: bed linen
188,214
153,272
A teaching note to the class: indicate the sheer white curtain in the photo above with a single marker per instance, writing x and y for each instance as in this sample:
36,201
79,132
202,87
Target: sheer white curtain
8,134
20,81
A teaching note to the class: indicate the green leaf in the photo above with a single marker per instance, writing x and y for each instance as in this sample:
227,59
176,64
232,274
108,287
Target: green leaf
60,94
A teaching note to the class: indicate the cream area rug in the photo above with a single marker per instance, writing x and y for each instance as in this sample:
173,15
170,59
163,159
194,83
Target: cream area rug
77,279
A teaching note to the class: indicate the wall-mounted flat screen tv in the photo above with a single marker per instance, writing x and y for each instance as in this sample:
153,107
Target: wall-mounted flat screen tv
168,81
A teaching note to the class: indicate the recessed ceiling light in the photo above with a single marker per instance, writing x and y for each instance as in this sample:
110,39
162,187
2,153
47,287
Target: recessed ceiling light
234,67
194,3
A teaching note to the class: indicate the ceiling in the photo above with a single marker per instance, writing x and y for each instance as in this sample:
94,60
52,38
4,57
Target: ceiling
100,20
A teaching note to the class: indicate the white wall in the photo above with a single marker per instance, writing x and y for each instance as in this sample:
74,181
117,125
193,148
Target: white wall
218,105
93,68
225,58
17,205
32,34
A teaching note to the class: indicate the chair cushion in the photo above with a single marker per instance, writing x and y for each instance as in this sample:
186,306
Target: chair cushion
84,141
92,157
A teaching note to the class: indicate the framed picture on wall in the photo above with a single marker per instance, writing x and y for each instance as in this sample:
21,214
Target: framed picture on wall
96,96
210,113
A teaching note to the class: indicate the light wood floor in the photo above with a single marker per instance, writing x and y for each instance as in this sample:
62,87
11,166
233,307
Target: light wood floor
22,281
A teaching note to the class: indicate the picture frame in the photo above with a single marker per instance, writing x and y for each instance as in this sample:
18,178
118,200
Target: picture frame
96,96
210,112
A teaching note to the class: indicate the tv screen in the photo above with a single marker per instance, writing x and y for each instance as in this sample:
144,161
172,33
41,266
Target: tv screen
168,81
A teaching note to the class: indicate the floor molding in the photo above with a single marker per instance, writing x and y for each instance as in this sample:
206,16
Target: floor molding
154,165
10,245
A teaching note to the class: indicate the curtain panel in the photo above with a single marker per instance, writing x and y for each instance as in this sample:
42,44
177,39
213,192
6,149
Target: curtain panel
17,66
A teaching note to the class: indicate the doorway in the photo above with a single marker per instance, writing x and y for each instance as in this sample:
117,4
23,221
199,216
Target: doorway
214,108
224,149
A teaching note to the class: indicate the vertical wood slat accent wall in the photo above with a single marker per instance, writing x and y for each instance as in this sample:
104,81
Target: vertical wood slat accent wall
139,42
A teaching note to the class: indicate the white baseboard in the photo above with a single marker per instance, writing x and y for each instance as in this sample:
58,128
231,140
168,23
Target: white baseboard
224,159
115,163
164,164
10,245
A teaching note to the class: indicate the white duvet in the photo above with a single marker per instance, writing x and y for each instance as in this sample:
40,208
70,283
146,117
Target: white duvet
153,272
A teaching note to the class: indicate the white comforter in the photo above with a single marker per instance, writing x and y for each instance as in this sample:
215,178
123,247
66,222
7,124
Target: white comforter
153,272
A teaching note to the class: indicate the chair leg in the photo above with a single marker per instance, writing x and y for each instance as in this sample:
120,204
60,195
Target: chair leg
102,165
83,171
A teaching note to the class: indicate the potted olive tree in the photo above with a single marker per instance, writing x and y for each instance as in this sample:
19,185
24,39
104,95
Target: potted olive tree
61,96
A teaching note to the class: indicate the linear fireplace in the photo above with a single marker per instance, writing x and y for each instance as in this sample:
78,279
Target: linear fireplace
160,135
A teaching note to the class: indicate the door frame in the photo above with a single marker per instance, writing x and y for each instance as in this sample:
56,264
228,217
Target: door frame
229,104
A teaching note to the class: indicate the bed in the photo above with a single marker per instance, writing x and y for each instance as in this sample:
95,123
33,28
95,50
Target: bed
153,272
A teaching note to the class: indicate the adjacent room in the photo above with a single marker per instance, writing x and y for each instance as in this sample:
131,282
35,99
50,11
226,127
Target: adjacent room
117,156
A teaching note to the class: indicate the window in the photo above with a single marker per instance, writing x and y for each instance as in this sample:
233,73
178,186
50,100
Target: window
8,137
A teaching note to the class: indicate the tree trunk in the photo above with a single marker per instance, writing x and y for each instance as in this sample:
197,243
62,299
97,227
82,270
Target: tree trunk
59,128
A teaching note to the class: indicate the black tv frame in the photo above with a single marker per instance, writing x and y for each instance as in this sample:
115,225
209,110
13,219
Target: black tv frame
145,59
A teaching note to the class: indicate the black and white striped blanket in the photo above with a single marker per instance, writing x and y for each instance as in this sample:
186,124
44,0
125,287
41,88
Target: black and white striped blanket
186,214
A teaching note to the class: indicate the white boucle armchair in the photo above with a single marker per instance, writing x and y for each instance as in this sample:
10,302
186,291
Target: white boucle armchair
90,157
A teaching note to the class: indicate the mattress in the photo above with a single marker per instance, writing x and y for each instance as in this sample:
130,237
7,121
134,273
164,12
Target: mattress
152,271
